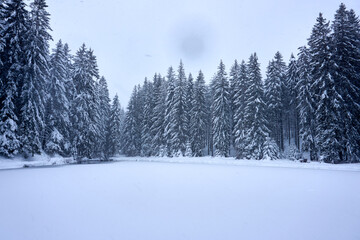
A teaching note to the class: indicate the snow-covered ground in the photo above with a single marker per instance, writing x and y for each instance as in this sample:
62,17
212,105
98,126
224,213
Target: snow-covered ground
45,160
36,161
284,163
142,200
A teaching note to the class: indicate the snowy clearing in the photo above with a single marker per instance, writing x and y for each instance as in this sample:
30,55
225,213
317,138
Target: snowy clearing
36,161
141,200
45,160
285,163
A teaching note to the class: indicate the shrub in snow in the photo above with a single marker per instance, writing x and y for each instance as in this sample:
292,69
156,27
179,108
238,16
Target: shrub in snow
270,149
54,142
177,153
162,151
293,153
188,152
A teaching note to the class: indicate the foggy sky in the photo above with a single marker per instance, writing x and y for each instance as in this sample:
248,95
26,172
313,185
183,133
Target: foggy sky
134,39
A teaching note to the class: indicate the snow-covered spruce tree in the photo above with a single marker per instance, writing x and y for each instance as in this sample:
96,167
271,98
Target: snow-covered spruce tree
9,140
275,97
354,23
254,114
84,108
132,127
189,97
198,117
345,59
14,26
95,111
233,83
209,133
285,120
69,88
69,85
57,120
292,78
239,105
163,148
33,91
169,131
221,128
179,121
324,93
306,104
188,151
104,117
2,27
2,43
158,118
270,149
273,94
116,127
354,38
147,120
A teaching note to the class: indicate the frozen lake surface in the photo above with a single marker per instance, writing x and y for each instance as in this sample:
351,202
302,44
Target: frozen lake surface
159,200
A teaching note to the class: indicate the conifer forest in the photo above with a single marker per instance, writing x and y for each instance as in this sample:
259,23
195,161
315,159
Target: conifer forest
179,120
56,102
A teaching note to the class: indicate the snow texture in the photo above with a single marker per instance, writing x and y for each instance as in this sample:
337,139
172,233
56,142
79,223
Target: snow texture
142,200
36,161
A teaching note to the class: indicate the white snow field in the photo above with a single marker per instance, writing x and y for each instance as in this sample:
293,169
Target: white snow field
36,161
171,201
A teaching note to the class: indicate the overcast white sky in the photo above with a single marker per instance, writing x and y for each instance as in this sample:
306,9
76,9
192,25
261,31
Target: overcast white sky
136,38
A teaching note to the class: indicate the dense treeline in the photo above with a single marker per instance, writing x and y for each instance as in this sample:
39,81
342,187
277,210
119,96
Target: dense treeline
57,103
310,105
51,102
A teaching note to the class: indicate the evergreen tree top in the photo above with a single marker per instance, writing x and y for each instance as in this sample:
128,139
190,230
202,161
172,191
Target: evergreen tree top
319,32
221,70
170,74
279,61
40,18
200,77
292,57
190,78
66,49
181,72
234,72
254,68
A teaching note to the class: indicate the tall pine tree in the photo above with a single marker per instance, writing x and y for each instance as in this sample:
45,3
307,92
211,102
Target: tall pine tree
254,114
180,118
58,125
345,59
239,105
104,117
221,128
276,99
273,97
84,110
132,126
147,120
324,93
306,104
14,29
292,78
116,122
33,91
233,83
189,96
158,118
169,130
198,117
